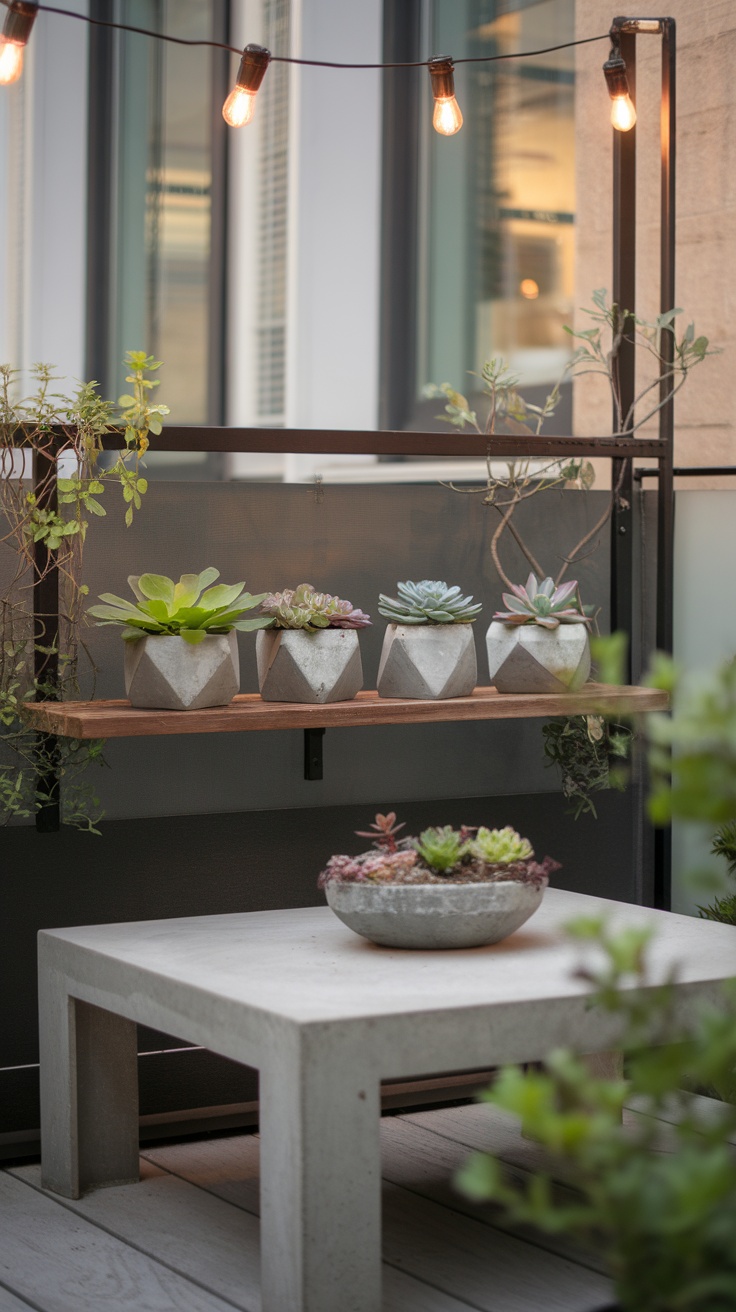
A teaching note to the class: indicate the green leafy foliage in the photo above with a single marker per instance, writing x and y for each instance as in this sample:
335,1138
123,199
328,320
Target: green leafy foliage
54,512
190,609
442,848
591,754
305,608
428,602
543,604
724,845
666,1220
499,846
692,753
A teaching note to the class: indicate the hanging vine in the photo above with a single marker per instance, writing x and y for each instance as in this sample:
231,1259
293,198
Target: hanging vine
51,482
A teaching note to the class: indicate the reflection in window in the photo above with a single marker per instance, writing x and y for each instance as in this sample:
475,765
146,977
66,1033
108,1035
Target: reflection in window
499,237
160,292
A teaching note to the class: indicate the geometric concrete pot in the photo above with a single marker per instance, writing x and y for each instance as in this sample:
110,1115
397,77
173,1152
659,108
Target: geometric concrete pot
163,672
531,658
433,915
297,666
428,661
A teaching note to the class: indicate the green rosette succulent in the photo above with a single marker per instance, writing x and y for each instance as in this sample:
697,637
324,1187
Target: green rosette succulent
428,602
442,848
500,846
189,609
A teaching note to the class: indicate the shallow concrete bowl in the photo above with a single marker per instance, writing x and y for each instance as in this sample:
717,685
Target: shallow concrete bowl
434,915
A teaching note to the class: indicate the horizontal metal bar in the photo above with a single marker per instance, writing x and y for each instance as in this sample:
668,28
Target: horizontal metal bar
333,441
690,471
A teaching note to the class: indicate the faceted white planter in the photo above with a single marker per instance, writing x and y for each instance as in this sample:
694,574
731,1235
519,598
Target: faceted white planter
163,672
530,658
297,666
428,661
434,915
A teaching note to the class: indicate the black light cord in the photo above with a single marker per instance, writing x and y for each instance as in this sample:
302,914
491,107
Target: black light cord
310,63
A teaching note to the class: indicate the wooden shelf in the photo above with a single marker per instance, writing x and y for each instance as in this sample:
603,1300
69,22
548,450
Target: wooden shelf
118,719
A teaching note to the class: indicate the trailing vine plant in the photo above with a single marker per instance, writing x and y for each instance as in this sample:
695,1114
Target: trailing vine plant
588,750
51,482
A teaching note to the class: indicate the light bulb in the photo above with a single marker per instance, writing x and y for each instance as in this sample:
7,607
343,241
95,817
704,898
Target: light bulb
17,27
623,114
240,105
447,118
11,62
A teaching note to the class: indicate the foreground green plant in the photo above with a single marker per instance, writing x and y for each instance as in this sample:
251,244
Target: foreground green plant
44,527
189,609
666,1220
428,602
723,908
305,608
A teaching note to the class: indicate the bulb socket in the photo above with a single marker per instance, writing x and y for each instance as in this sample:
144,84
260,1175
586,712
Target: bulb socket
616,78
442,77
19,21
253,65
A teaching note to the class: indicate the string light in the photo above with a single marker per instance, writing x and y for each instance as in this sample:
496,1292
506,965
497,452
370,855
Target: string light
240,105
19,20
447,118
623,113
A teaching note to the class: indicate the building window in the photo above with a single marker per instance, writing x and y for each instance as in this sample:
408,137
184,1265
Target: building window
490,235
157,203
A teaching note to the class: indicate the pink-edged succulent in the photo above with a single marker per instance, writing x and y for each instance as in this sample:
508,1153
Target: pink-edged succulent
542,603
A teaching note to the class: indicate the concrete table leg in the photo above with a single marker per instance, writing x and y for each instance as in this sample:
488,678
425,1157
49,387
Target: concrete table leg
89,1092
320,1179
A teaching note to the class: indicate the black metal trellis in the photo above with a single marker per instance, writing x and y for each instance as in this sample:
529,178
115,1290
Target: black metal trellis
620,450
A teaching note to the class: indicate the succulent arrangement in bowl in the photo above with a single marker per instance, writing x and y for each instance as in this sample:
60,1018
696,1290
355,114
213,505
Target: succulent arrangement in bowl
308,650
428,649
540,642
181,650
445,888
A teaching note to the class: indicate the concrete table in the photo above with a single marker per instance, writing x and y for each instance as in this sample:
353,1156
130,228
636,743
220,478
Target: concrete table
324,1016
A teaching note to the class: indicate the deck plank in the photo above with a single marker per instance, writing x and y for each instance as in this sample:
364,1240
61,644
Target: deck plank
9,1302
60,1262
465,1258
426,1164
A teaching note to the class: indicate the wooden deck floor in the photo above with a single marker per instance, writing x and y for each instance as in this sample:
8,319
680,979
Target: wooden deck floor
186,1238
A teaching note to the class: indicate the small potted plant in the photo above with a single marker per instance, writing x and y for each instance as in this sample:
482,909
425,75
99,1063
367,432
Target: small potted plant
181,648
540,642
310,651
447,888
429,649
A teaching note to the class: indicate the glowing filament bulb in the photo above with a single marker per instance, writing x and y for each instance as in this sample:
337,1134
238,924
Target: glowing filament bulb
623,114
447,118
11,62
17,27
240,105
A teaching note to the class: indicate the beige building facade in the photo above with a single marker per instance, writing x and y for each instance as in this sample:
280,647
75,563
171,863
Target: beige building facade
705,430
